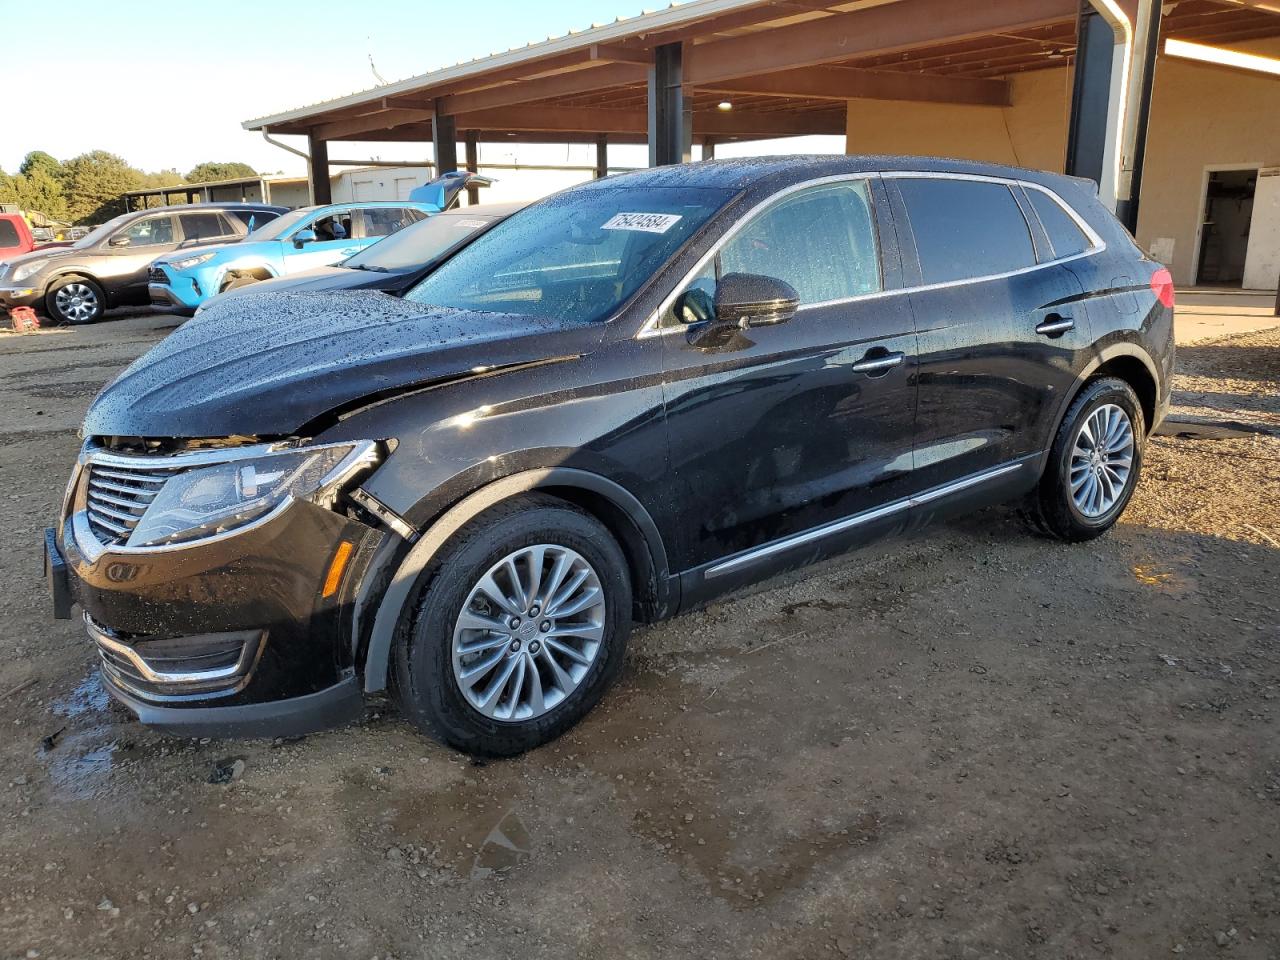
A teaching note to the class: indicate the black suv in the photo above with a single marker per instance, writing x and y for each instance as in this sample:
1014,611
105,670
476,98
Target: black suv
621,401
108,267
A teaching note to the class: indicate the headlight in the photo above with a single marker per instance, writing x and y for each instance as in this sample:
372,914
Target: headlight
186,263
24,270
211,499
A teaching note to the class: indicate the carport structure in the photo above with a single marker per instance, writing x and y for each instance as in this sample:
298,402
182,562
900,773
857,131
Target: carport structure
711,71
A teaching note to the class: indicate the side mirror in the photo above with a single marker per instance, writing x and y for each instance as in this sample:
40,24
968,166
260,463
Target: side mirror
303,237
751,300
118,242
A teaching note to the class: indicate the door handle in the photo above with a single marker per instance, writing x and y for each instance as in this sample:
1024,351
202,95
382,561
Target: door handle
1055,325
878,362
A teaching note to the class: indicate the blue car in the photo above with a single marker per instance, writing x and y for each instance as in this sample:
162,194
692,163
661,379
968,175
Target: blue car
300,240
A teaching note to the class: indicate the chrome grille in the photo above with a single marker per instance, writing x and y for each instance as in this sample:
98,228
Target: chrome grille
118,496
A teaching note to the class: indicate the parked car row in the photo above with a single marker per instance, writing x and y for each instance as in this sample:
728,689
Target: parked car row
610,405
177,257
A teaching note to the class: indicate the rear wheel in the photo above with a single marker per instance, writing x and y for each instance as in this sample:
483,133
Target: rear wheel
518,628
1094,465
75,300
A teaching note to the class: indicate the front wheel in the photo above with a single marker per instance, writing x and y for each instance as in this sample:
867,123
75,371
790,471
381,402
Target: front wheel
518,629
75,300
1094,465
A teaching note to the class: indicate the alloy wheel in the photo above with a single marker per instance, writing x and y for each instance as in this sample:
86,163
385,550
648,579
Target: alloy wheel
529,632
1101,460
76,302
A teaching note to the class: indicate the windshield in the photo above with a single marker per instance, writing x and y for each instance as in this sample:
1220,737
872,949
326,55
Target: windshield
575,256
281,224
416,245
98,234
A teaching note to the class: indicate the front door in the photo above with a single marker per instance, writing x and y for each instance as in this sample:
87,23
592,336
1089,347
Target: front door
334,240
777,430
131,249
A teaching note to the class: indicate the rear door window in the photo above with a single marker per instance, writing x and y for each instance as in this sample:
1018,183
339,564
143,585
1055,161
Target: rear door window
204,226
1064,233
966,229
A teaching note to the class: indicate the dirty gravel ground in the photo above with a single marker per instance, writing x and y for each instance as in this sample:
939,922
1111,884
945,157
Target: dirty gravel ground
972,744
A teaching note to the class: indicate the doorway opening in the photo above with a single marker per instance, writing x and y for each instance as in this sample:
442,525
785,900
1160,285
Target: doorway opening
1224,229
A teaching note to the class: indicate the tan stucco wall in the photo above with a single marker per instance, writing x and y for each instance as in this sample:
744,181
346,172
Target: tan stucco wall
1200,115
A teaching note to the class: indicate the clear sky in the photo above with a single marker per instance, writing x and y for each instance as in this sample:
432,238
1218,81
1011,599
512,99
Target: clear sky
168,85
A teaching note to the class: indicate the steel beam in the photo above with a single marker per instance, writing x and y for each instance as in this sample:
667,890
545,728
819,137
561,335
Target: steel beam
846,83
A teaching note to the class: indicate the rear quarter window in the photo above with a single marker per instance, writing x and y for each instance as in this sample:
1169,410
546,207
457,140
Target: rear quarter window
1065,235
965,229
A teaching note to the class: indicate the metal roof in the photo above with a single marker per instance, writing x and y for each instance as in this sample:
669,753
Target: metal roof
677,14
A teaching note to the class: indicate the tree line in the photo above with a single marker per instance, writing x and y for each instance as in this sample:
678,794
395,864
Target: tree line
87,189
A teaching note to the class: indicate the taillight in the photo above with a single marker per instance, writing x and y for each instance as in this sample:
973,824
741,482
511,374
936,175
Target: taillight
1162,286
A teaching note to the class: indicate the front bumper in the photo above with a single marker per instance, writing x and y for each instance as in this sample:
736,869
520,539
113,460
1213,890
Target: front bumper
181,291
20,296
232,637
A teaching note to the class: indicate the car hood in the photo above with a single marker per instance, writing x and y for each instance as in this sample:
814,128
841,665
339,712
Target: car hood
320,278
41,253
222,251
268,365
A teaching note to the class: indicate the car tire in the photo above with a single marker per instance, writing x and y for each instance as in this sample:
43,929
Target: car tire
450,669
1090,479
75,300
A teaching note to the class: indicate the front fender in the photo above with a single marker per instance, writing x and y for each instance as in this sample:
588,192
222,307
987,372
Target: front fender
388,608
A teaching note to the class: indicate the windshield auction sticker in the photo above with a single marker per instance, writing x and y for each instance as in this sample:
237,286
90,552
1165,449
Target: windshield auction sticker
648,222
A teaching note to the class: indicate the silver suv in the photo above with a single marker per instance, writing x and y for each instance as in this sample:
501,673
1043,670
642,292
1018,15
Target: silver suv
75,283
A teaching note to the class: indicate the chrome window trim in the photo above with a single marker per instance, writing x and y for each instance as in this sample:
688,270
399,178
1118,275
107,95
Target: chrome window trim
749,557
364,454
652,328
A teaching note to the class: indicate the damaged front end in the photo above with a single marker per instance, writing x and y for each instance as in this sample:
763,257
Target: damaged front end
215,577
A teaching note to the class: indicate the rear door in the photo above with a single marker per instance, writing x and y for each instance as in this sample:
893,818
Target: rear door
998,320
778,430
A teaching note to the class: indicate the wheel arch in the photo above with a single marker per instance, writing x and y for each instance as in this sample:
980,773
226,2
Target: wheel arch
1126,361
622,514
77,273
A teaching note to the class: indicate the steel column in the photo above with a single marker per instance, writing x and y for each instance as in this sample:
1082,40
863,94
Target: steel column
670,113
1090,95
444,138
318,170
1142,75
602,156
473,164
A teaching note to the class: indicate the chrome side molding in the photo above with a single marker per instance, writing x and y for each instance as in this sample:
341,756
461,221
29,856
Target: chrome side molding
839,526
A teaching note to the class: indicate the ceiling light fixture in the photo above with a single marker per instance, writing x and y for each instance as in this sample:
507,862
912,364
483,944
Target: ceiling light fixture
724,105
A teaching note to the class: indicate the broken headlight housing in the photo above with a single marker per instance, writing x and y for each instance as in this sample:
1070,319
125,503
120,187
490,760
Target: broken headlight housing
238,487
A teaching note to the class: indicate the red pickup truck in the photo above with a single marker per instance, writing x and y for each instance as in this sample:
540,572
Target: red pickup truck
15,235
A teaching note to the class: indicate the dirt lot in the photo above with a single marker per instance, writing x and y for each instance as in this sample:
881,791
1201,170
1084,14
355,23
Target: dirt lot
973,744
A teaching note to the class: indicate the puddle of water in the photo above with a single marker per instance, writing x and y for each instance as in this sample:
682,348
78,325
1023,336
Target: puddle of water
89,697
84,753
507,845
